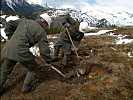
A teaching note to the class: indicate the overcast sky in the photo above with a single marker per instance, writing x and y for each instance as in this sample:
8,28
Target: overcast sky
93,4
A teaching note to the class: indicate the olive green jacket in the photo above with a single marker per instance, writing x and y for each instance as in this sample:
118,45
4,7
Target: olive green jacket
27,33
73,28
74,33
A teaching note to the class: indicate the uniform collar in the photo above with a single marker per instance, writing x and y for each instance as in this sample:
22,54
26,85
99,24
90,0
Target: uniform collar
38,21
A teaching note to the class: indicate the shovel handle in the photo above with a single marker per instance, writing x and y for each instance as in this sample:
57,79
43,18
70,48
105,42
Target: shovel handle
59,72
72,43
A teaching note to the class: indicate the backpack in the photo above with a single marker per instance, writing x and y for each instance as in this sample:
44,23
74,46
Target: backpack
10,28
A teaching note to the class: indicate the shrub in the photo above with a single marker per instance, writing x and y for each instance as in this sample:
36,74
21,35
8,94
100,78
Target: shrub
53,30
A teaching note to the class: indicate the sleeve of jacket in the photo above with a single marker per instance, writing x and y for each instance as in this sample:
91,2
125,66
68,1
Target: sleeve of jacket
11,27
79,36
44,47
71,20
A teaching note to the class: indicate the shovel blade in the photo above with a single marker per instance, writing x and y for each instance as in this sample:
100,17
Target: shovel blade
81,71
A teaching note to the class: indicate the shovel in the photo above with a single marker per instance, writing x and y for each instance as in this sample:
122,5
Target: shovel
52,67
78,70
72,44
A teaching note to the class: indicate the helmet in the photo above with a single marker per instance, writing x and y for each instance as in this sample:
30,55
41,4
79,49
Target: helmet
46,17
83,26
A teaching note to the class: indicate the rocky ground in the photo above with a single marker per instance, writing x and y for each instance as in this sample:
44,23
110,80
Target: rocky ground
109,74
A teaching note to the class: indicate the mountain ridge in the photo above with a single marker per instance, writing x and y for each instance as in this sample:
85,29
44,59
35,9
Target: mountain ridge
20,6
98,17
93,17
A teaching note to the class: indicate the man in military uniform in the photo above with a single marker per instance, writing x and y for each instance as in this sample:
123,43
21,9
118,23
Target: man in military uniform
25,33
64,40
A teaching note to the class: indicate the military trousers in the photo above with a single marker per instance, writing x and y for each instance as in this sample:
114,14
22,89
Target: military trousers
8,65
66,47
61,43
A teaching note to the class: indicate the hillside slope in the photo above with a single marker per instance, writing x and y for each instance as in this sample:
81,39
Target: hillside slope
109,72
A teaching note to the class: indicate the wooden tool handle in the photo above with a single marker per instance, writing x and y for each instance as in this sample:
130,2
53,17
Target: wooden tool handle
72,43
59,72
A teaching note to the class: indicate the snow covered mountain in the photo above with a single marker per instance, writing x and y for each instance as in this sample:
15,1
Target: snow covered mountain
98,17
37,2
20,6
93,17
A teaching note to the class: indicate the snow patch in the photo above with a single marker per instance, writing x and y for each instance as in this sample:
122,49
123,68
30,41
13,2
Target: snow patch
3,34
124,41
1,25
35,51
51,36
3,16
12,18
121,40
37,2
130,54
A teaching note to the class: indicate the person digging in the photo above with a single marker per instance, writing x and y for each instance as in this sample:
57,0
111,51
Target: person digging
76,33
26,34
